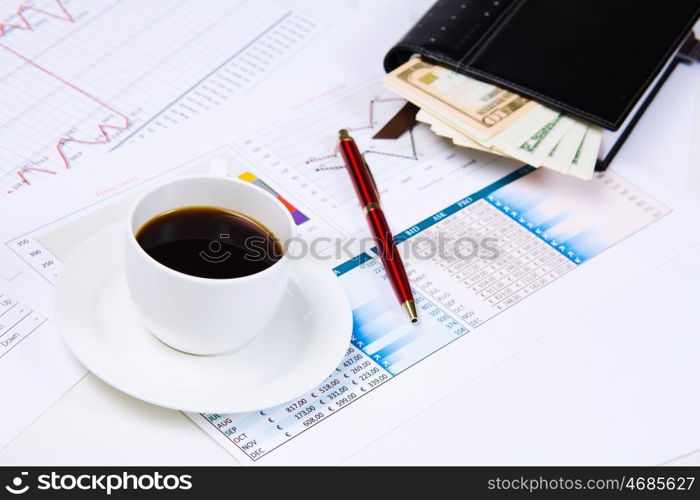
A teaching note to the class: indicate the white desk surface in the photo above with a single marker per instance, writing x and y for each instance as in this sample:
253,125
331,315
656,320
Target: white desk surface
94,424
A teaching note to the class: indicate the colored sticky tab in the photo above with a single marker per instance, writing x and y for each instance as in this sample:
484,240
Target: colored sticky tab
247,176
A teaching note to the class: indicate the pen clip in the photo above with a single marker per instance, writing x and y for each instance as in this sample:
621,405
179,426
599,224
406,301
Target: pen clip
371,178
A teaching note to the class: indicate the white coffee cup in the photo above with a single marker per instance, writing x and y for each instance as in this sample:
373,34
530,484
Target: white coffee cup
206,315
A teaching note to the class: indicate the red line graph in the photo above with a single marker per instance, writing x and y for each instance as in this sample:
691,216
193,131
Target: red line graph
24,24
368,125
24,170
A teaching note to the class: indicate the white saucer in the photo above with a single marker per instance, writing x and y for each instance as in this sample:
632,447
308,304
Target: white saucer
302,345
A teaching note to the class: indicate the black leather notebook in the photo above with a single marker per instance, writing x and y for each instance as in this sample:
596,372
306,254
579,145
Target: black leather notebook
593,59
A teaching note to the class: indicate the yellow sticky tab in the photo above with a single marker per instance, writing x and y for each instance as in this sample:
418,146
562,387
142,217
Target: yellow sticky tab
247,176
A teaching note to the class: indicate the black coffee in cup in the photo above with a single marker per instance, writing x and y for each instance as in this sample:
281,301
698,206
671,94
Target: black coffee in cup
209,242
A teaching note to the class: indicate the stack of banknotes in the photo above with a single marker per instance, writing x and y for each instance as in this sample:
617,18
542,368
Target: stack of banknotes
485,117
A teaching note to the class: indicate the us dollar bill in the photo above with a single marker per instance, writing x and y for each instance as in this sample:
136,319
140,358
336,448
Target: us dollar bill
477,109
485,117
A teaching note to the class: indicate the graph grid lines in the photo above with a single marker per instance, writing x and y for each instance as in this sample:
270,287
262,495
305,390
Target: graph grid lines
80,76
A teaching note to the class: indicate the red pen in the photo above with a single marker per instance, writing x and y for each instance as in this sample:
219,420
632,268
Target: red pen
366,190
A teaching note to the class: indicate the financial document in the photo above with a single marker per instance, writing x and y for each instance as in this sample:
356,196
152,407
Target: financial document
539,226
560,244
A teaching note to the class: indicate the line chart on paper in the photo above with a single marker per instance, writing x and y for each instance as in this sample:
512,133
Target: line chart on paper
82,78
371,122
302,153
